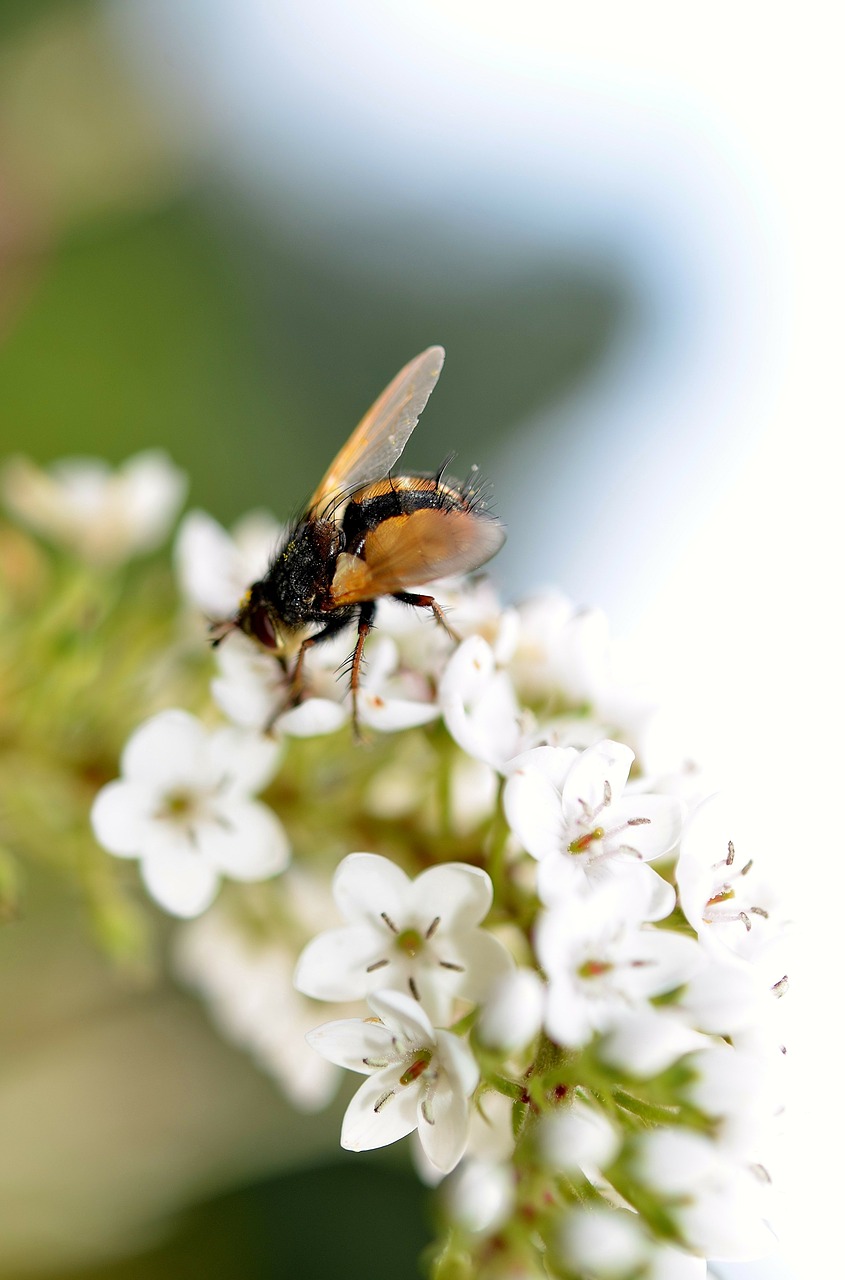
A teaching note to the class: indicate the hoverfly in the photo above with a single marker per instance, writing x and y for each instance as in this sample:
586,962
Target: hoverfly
367,534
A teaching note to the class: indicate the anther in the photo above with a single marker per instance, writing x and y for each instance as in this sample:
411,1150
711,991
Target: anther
387,920
377,964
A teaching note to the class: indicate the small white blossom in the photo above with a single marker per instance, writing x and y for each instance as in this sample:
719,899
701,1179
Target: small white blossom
480,708
253,690
717,1204
105,516
601,962
608,1244
645,1041
214,568
185,807
569,809
513,1011
419,936
577,1139
479,1195
721,889
419,1078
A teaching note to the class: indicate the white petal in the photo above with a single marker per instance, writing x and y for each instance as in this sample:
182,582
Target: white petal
445,1140
659,833
333,966
168,751
483,957
366,885
458,1062
312,718
365,1127
554,763
244,761
151,492
455,893
534,813
355,1043
181,882
646,1042
513,1011
388,715
657,960
250,843
404,1015
122,816
607,762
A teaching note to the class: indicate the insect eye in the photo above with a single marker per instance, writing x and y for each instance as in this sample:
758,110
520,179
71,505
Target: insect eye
261,627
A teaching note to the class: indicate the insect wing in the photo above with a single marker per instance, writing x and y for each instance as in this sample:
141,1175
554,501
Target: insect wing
381,435
410,550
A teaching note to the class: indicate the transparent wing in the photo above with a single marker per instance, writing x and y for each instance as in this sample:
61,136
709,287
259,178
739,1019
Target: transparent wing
381,435
410,550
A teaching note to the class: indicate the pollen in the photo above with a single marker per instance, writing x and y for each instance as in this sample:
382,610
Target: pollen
582,844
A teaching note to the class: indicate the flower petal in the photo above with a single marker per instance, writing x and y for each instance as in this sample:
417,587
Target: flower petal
358,1044
333,966
381,1112
606,763
168,751
661,830
366,885
444,1133
122,816
455,893
182,882
534,814
247,843
404,1015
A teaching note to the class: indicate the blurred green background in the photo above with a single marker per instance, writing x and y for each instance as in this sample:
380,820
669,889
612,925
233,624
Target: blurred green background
145,299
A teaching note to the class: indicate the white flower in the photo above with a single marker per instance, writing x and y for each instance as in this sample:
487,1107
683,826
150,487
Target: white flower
645,1041
105,516
608,1244
419,936
722,892
390,698
569,809
252,690
717,1204
577,1139
480,1195
480,708
185,808
214,568
246,983
419,1078
513,1011
601,962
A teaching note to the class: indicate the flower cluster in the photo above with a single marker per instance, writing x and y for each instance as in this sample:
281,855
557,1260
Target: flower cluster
556,965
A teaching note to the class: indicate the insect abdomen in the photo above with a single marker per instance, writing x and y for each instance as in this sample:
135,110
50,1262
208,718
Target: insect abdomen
395,496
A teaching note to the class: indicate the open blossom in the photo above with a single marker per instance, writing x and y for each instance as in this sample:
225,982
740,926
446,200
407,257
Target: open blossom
723,892
601,961
570,810
418,936
102,514
419,1078
185,808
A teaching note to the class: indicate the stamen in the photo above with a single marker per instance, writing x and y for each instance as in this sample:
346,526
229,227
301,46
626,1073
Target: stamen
449,964
731,853
781,986
760,911
387,920
377,964
432,928
413,987
385,1098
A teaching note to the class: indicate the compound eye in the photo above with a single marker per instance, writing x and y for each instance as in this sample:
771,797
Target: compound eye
261,627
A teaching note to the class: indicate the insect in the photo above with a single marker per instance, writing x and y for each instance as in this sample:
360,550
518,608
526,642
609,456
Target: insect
367,534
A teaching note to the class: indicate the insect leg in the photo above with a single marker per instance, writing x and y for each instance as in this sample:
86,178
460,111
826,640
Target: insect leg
365,621
294,689
427,602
